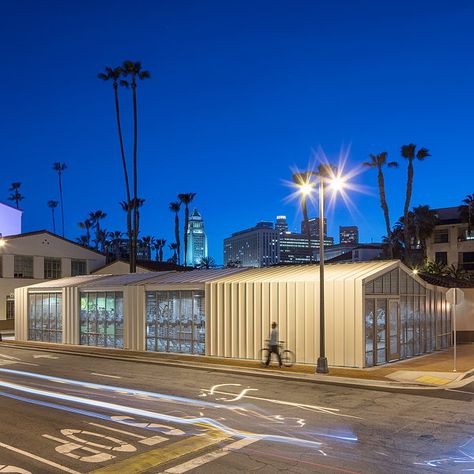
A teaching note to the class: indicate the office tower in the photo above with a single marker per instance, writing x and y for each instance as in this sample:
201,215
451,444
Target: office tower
348,234
197,239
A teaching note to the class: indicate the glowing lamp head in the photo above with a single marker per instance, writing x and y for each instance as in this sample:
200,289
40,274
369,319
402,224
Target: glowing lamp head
2,242
415,271
306,189
336,183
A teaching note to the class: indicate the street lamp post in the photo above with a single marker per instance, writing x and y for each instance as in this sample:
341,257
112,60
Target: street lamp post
322,364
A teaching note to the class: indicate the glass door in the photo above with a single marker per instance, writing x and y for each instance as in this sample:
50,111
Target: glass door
393,328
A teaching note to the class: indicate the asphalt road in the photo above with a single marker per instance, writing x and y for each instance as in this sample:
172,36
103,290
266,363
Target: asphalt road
77,414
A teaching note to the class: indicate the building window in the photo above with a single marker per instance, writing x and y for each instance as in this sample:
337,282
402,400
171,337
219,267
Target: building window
101,319
175,321
441,258
10,308
45,317
23,266
441,236
466,260
52,268
78,267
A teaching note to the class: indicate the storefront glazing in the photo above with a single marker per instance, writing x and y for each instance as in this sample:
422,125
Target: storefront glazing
45,322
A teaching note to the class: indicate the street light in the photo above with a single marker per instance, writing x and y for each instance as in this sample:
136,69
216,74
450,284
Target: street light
325,173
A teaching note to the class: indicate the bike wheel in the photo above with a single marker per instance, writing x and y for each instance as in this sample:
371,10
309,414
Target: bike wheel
287,358
264,356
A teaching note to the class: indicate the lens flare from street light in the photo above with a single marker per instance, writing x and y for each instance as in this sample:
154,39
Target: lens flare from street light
306,189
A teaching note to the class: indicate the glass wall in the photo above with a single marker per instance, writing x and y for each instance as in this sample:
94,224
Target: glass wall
175,321
422,325
45,322
101,319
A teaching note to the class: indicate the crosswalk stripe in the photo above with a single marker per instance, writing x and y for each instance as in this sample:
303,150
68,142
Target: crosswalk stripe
156,457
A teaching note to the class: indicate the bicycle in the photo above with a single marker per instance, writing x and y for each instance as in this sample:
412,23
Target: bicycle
288,357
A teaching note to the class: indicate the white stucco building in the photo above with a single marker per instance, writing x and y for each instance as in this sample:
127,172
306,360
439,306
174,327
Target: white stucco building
33,257
376,312
10,220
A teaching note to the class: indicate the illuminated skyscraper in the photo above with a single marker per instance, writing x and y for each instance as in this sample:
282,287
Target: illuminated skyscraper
197,239
348,234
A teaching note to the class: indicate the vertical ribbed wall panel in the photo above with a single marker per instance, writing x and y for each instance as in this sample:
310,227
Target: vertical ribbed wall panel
292,321
134,317
358,303
311,322
21,314
300,312
250,331
71,315
349,323
226,318
234,329
209,315
257,318
242,321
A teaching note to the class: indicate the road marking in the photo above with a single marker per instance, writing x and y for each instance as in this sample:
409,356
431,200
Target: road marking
5,356
150,441
154,458
209,457
38,458
105,375
45,357
13,469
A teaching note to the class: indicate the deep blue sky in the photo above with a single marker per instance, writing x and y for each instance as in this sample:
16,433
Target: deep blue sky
241,92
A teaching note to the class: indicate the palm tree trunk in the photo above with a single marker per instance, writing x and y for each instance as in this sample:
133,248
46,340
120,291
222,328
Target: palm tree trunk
161,253
54,221
406,233
61,199
185,236
176,233
306,224
125,172
384,206
135,175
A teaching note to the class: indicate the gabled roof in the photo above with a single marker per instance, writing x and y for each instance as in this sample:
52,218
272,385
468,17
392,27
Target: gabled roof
150,265
47,232
67,281
11,207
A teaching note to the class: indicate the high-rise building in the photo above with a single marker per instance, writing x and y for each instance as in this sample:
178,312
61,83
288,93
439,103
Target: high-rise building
314,227
294,247
281,224
348,234
196,239
254,247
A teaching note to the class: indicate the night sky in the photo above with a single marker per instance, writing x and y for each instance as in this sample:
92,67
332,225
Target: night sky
241,93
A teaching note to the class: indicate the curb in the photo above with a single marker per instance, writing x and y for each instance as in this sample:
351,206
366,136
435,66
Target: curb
368,384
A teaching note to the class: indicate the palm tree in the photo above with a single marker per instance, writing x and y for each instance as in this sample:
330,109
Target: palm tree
116,237
174,248
59,168
101,242
186,199
53,205
87,225
16,195
174,207
114,75
134,71
136,205
83,240
158,246
379,161
466,211
409,153
127,207
424,221
148,241
95,218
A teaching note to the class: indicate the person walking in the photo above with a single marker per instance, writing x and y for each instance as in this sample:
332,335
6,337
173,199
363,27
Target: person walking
273,347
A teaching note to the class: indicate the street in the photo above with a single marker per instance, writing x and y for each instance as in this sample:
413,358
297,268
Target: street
77,414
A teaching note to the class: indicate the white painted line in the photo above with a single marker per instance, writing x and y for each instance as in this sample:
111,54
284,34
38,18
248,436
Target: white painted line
105,375
209,457
45,357
38,458
9,357
151,441
97,425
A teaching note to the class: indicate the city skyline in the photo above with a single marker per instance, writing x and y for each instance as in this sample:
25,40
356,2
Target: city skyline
335,80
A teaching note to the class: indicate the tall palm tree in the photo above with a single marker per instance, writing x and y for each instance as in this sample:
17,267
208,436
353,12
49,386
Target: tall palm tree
83,240
174,207
158,246
127,207
186,199
16,196
114,75
174,248
53,205
101,242
95,218
59,168
424,221
466,211
378,162
133,70
410,153
86,225
136,205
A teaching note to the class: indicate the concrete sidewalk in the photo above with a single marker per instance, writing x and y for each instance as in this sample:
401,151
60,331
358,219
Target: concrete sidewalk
431,370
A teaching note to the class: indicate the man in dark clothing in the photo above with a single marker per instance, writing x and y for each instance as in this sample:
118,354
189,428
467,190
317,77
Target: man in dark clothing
273,347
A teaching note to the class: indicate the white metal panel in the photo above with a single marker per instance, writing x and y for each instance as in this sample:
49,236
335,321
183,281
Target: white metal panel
71,308
21,314
134,317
